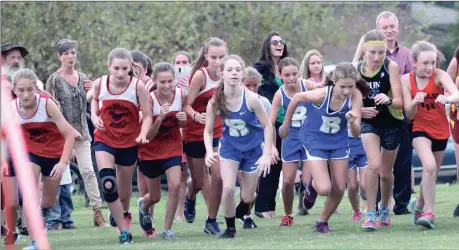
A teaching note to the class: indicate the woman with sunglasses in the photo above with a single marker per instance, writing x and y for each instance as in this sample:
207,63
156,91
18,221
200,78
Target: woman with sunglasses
273,49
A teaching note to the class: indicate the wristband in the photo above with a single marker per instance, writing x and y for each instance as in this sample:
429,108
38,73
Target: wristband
194,116
390,101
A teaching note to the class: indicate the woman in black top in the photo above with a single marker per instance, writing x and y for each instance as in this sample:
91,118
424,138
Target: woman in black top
273,49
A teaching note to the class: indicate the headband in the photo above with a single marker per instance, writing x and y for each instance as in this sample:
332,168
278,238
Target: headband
374,43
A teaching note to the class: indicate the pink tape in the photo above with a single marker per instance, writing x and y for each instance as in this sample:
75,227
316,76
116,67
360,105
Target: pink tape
26,180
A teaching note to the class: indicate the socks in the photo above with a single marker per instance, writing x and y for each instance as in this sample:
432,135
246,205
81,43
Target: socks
209,220
230,222
242,209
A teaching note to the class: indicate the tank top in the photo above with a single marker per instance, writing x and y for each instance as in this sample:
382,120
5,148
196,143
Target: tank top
281,113
453,107
430,116
193,131
323,129
149,84
42,137
242,130
378,83
120,115
300,112
168,141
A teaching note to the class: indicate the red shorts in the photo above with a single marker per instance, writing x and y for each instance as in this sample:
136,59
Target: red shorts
454,127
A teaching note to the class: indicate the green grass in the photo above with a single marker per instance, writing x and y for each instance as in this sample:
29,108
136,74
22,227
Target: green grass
268,235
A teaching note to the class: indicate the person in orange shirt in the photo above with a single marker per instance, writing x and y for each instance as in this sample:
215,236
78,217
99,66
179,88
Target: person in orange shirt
424,104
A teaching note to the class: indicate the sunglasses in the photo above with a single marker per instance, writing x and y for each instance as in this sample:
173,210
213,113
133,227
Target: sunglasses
277,42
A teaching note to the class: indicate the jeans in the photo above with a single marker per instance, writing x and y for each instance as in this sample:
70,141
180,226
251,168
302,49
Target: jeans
60,212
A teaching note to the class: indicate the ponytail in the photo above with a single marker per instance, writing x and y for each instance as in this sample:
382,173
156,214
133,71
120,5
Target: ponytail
219,103
358,53
201,61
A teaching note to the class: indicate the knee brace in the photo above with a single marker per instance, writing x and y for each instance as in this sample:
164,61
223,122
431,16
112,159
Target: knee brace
108,175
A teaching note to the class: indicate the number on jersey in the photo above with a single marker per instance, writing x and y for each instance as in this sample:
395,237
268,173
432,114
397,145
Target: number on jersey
299,116
330,125
236,127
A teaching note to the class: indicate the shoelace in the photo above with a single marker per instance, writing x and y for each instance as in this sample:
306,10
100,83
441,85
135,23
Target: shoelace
146,219
371,217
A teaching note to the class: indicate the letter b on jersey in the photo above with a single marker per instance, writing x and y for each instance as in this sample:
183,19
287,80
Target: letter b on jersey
237,127
330,125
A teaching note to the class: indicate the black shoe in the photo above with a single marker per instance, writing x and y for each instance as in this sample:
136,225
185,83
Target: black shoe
126,237
456,211
259,215
229,233
249,223
402,211
3,231
24,231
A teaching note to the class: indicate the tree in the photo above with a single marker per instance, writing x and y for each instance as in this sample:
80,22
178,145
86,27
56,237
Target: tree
159,29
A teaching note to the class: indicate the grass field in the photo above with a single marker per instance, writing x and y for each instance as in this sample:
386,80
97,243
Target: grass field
268,235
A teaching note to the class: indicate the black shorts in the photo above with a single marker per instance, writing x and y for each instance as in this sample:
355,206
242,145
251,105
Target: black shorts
155,168
196,149
437,145
46,164
390,137
123,156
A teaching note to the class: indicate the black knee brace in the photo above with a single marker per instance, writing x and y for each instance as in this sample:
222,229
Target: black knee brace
108,175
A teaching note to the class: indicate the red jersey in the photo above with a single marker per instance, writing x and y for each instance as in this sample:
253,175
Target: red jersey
168,141
193,131
430,116
453,107
119,114
41,134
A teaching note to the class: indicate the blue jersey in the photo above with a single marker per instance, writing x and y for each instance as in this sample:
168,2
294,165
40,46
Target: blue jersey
325,129
241,128
300,112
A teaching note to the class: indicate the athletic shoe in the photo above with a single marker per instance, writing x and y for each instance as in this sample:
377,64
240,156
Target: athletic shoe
456,211
11,239
322,227
168,235
286,221
370,221
249,223
67,227
53,227
126,237
384,217
356,217
111,220
427,220
32,245
150,234
189,211
24,231
212,228
4,231
145,218
309,196
229,233
416,213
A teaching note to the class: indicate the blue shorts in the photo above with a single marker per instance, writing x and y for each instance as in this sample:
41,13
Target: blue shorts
155,168
197,149
246,159
320,154
292,150
123,156
389,137
46,164
357,160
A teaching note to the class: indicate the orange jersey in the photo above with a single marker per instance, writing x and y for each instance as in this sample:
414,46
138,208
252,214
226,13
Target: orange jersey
119,114
194,130
430,116
168,141
42,137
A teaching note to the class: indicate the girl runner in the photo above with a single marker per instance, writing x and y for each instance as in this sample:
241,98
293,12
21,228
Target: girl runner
424,101
251,79
382,119
115,114
312,67
241,147
357,164
453,72
292,149
203,81
324,135
48,136
163,154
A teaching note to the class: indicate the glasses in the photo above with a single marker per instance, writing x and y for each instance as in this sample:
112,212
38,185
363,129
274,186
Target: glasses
277,42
